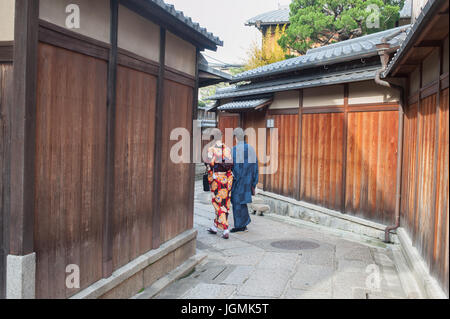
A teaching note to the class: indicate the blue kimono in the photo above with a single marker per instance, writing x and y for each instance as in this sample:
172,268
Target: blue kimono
245,172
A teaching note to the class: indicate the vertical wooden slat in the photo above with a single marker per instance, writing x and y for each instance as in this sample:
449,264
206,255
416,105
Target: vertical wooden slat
344,147
156,220
23,125
110,138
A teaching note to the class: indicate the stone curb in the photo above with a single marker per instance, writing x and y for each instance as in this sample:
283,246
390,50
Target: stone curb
171,277
102,286
428,286
285,206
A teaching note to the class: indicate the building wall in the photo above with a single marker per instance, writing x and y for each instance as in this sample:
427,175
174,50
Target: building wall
180,55
138,35
94,16
71,160
285,100
7,8
424,206
332,95
369,92
6,77
338,155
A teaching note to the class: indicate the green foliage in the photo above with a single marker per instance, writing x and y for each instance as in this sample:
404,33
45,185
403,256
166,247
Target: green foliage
320,22
270,51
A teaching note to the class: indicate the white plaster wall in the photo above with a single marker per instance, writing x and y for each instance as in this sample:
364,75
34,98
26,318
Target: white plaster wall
285,100
180,54
430,68
417,6
94,16
138,35
7,20
369,92
414,81
332,95
445,64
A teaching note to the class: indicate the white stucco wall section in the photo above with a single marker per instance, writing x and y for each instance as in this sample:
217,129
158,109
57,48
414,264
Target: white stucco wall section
94,16
414,81
285,100
445,64
180,54
369,92
138,35
7,20
430,68
332,95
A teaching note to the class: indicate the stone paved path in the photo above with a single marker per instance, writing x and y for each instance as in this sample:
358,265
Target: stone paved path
261,264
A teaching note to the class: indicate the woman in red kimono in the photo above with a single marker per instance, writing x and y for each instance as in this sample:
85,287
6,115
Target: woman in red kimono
220,179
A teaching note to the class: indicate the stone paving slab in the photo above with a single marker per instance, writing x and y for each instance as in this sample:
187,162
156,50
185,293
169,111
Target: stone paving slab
250,266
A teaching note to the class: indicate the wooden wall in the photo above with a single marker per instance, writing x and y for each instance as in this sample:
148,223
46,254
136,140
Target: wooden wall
425,191
285,180
74,146
321,160
348,155
134,163
371,165
5,102
70,157
177,205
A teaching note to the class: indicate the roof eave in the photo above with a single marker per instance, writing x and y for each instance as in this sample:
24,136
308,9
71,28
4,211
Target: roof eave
159,15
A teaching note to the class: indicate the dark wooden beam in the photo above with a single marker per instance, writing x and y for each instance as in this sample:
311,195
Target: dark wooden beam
428,44
344,150
23,127
194,117
156,214
299,155
110,142
6,51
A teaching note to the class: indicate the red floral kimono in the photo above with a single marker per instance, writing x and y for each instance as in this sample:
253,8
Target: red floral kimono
221,181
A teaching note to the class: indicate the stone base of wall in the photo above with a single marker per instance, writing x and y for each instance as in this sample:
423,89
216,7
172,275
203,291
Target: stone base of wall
286,206
144,270
429,286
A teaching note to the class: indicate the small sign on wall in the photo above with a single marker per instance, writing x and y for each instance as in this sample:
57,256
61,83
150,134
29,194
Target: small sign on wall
270,123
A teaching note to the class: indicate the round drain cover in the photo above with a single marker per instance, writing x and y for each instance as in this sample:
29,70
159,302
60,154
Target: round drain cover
294,244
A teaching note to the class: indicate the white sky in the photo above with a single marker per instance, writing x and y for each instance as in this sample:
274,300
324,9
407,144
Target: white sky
226,19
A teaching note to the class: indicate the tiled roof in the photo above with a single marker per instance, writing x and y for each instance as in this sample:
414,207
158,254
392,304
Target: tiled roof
243,105
187,21
280,16
338,52
406,11
361,74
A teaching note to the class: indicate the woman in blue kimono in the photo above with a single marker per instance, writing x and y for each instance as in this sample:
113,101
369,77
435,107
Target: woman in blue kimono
245,173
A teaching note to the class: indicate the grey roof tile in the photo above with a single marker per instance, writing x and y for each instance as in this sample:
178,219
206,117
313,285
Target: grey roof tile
243,105
329,54
362,74
187,20
280,16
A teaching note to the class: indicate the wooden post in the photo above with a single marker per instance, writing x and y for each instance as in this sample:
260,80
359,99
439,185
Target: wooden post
194,117
110,142
344,151
23,127
156,217
299,155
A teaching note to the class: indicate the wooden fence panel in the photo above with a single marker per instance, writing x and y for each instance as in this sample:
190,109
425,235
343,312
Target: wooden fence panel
134,165
409,168
70,159
372,144
177,207
322,152
285,180
256,120
441,234
6,75
426,145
